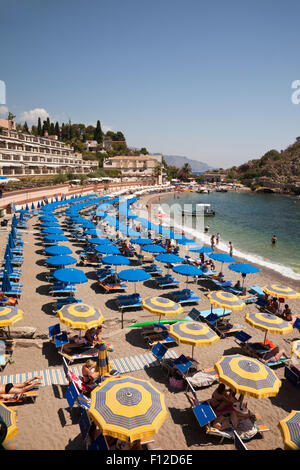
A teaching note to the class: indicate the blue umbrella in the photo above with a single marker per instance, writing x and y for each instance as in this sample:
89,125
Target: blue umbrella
141,241
94,232
244,269
32,206
61,260
50,225
99,241
185,241
70,276
154,249
202,249
116,260
58,250
134,275
6,285
107,250
223,258
187,270
53,231
169,258
55,238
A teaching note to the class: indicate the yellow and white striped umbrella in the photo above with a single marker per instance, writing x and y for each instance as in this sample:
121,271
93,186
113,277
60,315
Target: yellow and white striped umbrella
226,300
162,306
80,316
296,348
10,419
284,292
247,376
9,315
290,429
128,408
193,333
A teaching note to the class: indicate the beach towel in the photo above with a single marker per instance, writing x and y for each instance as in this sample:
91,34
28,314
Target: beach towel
202,379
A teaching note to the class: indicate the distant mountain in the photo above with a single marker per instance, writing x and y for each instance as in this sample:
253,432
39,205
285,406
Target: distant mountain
178,161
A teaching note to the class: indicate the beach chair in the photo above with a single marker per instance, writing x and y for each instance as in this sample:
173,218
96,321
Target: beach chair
254,429
203,412
258,350
166,281
84,423
25,397
219,312
65,301
222,326
153,269
129,301
62,289
74,397
185,296
291,375
58,338
162,337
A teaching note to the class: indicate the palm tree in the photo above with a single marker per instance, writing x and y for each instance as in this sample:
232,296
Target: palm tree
185,172
157,172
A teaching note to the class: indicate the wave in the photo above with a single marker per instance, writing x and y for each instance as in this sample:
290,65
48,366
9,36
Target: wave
250,257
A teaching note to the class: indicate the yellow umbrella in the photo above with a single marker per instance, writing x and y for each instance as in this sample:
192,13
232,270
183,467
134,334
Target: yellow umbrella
80,316
193,333
9,417
296,348
247,376
226,300
10,315
162,306
127,408
290,429
268,323
284,292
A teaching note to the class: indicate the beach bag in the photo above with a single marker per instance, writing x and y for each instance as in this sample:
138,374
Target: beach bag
176,384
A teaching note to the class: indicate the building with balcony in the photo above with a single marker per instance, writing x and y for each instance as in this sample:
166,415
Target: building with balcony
137,167
24,154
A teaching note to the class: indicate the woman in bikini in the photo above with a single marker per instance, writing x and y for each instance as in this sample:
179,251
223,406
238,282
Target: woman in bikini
11,390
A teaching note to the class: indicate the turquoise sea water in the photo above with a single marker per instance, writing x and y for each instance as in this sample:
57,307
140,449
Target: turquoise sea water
250,220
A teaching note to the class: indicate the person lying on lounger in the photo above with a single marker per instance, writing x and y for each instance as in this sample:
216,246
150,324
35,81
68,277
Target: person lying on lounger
11,390
239,413
274,355
90,376
91,338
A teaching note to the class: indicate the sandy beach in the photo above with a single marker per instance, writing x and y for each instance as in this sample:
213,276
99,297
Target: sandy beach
49,424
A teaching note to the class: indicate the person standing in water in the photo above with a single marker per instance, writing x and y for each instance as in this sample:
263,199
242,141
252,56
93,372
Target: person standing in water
230,248
217,238
274,240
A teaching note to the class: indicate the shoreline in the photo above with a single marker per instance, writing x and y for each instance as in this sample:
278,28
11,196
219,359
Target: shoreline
269,272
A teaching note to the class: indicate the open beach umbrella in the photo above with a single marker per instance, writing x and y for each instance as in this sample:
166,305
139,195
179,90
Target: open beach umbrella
58,250
52,231
222,258
154,249
169,258
247,376
290,429
92,231
55,238
10,419
127,408
193,333
244,269
116,260
296,348
9,316
162,306
70,276
45,225
202,249
107,249
134,275
141,241
80,316
226,300
99,241
61,260
284,292
268,323
187,270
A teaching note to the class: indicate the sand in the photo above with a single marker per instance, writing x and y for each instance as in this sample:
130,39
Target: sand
49,424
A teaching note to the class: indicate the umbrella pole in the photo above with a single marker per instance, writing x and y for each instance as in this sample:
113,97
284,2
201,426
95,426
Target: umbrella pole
193,352
265,337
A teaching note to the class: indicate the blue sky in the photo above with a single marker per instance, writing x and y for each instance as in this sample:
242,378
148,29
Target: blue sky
208,80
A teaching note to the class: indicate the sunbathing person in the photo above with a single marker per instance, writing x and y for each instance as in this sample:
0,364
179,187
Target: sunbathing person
274,355
239,413
90,339
287,314
222,399
237,285
9,390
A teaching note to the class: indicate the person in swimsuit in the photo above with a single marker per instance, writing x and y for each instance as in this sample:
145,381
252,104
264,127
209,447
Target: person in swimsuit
221,398
7,391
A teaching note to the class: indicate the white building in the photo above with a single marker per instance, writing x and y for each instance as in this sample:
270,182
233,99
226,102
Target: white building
134,166
24,154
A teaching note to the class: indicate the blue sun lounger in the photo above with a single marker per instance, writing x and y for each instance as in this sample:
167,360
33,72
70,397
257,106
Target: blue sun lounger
153,269
185,296
61,288
166,281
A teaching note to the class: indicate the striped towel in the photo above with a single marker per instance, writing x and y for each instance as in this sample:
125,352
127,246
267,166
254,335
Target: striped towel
57,376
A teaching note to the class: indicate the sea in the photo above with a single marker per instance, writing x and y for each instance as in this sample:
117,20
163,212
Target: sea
249,220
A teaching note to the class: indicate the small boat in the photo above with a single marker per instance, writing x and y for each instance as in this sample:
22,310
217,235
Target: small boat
200,209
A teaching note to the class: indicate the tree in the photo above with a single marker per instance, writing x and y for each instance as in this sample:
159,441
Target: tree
144,151
98,134
52,129
39,127
25,128
57,130
185,172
